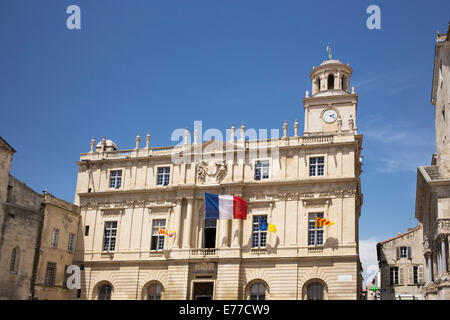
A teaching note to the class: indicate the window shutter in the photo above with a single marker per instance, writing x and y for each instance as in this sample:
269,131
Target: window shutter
398,252
409,253
386,279
400,275
420,274
411,275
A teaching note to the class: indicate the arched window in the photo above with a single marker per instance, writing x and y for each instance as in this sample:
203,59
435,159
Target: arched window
154,291
258,291
104,292
314,291
330,82
14,262
344,83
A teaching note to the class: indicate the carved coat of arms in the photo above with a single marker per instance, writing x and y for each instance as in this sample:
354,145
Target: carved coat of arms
212,171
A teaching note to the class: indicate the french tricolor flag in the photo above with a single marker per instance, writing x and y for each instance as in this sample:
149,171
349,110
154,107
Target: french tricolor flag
225,207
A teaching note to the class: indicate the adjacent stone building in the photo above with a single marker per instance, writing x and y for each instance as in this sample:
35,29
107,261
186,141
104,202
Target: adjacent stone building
125,195
401,265
21,217
35,235
433,182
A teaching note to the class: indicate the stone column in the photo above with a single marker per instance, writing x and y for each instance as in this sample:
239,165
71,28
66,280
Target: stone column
178,223
224,231
443,256
438,258
187,230
429,270
236,232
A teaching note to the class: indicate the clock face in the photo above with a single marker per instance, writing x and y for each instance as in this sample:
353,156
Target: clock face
329,116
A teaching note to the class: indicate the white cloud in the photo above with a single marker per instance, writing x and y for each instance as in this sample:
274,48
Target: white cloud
368,257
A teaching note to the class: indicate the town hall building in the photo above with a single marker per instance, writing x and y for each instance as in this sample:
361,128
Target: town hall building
288,181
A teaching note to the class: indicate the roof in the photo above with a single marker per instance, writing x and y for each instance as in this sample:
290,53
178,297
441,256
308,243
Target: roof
5,145
400,235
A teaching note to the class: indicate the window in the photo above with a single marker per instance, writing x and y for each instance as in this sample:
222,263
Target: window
209,240
66,276
115,179
163,176
330,82
14,262
258,291
259,236
104,292
71,241
158,239
86,231
415,274
262,170
314,291
393,275
403,252
55,235
316,166
154,291
50,274
109,239
315,234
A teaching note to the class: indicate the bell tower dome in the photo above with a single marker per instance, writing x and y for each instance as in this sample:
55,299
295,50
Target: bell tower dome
331,107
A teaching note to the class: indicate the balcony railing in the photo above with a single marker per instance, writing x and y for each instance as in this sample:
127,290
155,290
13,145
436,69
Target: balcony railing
203,252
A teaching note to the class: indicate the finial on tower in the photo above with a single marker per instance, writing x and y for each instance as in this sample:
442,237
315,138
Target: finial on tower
329,51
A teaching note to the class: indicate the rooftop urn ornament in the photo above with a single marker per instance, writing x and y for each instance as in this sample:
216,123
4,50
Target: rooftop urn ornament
92,144
285,127
147,140
195,136
138,140
307,94
232,132
103,144
353,90
296,128
186,136
242,132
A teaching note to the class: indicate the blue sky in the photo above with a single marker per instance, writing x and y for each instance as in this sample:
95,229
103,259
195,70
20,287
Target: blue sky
139,66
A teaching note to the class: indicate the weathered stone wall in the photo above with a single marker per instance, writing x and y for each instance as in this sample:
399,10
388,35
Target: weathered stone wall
20,227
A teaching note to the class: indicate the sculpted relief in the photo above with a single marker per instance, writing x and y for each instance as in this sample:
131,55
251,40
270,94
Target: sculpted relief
212,172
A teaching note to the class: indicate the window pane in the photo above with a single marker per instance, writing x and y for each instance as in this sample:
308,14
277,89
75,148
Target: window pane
50,274
105,292
315,291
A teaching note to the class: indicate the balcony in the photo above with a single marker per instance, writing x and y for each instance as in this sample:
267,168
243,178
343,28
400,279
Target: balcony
442,227
207,252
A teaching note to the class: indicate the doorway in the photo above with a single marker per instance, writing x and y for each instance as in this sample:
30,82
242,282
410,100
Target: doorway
203,291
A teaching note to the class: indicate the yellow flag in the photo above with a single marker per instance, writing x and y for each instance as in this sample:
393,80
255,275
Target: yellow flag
271,228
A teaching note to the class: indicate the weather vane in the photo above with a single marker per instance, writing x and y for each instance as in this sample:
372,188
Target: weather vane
329,51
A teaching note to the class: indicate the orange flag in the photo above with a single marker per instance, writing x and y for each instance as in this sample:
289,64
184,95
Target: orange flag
320,222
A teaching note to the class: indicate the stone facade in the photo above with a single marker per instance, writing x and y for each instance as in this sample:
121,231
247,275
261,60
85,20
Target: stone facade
433,182
64,217
21,220
401,264
124,194
26,220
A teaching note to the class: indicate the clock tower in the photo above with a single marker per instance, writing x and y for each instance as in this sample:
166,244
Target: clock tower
331,107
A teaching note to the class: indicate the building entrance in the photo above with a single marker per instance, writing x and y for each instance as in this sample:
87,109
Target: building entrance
203,291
